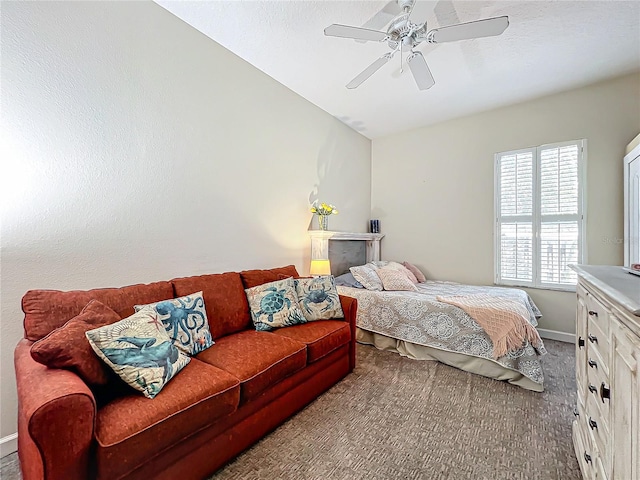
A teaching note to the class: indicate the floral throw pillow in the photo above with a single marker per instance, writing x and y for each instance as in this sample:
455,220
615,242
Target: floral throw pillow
185,320
274,305
318,298
139,350
367,276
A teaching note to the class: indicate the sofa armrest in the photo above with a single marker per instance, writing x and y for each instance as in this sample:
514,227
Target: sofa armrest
56,418
350,309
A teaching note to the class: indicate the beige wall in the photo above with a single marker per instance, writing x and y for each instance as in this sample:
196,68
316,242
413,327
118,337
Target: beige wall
432,188
136,149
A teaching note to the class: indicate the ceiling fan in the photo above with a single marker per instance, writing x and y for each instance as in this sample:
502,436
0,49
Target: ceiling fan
406,31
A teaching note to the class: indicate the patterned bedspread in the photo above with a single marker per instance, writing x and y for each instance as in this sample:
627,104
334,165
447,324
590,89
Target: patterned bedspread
417,317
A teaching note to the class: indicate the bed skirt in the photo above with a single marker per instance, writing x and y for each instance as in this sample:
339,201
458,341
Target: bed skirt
479,366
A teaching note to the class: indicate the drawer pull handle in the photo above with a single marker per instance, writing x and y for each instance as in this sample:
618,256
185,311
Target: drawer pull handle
592,389
587,457
593,339
604,392
592,313
592,423
580,342
592,363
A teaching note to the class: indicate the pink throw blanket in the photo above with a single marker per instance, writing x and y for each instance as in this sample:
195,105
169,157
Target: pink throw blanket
504,320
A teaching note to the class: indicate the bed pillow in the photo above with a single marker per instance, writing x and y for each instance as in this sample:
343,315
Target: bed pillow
185,320
318,298
347,280
379,263
402,269
139,350
394,280
367,276
416,271
274,305
67,347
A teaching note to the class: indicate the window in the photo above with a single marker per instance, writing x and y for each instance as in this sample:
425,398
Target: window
539,215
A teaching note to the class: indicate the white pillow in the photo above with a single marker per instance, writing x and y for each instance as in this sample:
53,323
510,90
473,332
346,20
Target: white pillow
367,276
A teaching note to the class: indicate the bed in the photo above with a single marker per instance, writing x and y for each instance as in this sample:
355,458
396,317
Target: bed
418,326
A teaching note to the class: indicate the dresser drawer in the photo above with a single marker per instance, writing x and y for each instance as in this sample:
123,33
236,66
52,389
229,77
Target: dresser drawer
598,313
597,424
584,453
598,339
598,391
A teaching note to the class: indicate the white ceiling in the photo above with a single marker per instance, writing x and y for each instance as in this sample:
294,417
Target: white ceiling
549,46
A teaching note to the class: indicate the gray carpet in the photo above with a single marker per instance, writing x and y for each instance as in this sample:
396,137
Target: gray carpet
400,418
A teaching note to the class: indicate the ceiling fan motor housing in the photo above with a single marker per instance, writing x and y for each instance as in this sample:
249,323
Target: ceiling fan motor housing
402,30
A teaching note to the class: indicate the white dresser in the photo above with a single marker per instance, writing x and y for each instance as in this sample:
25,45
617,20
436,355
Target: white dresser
606,429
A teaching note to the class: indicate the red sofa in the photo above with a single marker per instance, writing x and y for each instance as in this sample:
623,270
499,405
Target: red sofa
223,401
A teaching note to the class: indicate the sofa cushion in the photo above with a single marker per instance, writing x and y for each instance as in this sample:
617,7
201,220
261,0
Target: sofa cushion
224,296
321,337
257,359
185,320
46,310
318,298
131,429
275,305
67,346
139,350
253,278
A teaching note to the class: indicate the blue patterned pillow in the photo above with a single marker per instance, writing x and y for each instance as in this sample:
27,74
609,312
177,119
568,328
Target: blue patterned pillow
274,305
185,320
318,298
139,350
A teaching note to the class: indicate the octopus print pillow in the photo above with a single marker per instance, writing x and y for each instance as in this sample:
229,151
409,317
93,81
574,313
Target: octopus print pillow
274,305
185,320
318,298
139,350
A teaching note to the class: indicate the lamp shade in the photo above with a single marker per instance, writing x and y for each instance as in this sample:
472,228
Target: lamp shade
320,267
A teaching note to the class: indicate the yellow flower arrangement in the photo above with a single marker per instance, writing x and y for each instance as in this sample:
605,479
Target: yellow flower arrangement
323,209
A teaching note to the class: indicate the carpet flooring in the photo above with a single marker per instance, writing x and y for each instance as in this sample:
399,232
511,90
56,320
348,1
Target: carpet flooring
396,418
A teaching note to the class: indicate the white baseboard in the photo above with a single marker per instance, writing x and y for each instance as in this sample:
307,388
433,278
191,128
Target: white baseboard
555,335
8,444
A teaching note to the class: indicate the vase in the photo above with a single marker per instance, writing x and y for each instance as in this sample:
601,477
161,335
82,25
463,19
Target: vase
323,221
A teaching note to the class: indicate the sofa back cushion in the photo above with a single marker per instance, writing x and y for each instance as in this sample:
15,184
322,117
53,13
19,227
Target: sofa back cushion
46,310
253,278
224,297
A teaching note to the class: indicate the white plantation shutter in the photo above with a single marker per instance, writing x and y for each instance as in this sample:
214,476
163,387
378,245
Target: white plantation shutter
516,221
539,215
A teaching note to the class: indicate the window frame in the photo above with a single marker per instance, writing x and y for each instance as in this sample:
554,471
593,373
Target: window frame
537,215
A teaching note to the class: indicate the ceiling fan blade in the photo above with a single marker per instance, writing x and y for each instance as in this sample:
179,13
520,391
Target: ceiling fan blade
488,27
370,70
384,16
420,70
345,31
421,11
